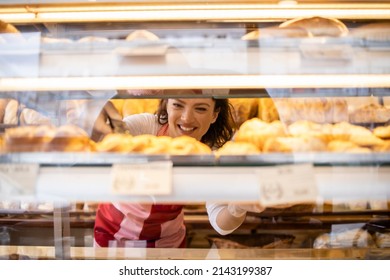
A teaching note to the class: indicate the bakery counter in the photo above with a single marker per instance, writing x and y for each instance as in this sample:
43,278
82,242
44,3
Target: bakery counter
89,253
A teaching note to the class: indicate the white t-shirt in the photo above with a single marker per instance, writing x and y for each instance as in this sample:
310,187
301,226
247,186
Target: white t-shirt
144,123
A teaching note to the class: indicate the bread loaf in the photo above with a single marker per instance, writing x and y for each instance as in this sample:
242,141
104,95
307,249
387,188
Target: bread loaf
318,26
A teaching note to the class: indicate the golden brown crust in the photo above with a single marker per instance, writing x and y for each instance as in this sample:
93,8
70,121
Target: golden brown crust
318,26
370,113
237,148
267,110
3,105
382,132
244,109
346,147
294,144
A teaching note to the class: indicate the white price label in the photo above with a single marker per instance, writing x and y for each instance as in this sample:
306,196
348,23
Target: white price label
287,185
153,178
18,179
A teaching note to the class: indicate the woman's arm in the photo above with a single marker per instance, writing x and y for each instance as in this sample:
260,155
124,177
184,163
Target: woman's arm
226,218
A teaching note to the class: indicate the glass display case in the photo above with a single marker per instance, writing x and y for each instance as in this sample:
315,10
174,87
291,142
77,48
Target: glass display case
309,85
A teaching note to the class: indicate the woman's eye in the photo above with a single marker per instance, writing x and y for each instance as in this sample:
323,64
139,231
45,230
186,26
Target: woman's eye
177,105
201,109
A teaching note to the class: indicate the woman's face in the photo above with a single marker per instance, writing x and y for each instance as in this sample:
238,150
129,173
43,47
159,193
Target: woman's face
191,117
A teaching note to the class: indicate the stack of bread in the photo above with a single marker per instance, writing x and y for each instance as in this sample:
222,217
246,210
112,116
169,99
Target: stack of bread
67,138
256,136
12,113
150,144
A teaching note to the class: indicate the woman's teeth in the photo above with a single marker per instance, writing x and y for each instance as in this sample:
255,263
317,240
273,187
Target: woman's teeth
186,128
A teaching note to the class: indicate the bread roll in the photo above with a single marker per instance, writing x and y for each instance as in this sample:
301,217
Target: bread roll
3,105
382,132
7,28
274,32
32,117
375,31
69,138
237,148
142,35
267,110
11,112
370,113
115,142
318,26
346,147
185,145
356,134
244,109
294,144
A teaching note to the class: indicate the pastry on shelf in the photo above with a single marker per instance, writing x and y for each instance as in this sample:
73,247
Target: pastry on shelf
244,109
378,31
276,32
346,147
348,238
357,134
318,26
294,144
256,131
308,128
237,148
370,113
185,145
382,132
69,138
267,110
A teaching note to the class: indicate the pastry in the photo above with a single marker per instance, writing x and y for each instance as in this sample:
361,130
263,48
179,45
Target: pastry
382,132
376,31
185,145
11,112
312,129
318,26
115,142
3,105
274,32
256,131
244,109
142,35
92,39
371,113
69,138
346,147
294,144
357,134
237,148
32,117
267,110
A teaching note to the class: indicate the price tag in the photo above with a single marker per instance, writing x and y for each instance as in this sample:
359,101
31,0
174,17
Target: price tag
153,178
18,179
287,185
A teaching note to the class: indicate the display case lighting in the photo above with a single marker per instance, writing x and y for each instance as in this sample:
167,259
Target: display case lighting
196,82
227,12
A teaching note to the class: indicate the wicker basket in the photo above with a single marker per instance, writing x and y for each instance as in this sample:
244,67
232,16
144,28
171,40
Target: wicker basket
242,241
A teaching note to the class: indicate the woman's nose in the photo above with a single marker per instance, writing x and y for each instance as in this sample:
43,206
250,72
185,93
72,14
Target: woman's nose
187,115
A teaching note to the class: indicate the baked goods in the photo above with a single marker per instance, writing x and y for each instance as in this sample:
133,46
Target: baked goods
357,134
318,26
244,109
256,131
275,32
32,117
237,148
7,28
346,147
3,104
137,106
267,110
69,138
378,31
345,239
294,144
307,128
11,112
46,138
142,35
115,142
319,110
92,39
185,145
382,132
370,113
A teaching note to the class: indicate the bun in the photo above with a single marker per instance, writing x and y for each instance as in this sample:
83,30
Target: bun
318,26
237,148
382,132
11,112
115,142
3,105
92,39
294,144
267,110
142,35
377,31
69,138
185,145
346,147
256,131
371,113
7,28
32,117
244,109
356,134
272,32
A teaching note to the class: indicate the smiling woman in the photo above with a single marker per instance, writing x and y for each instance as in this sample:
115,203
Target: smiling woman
207,120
